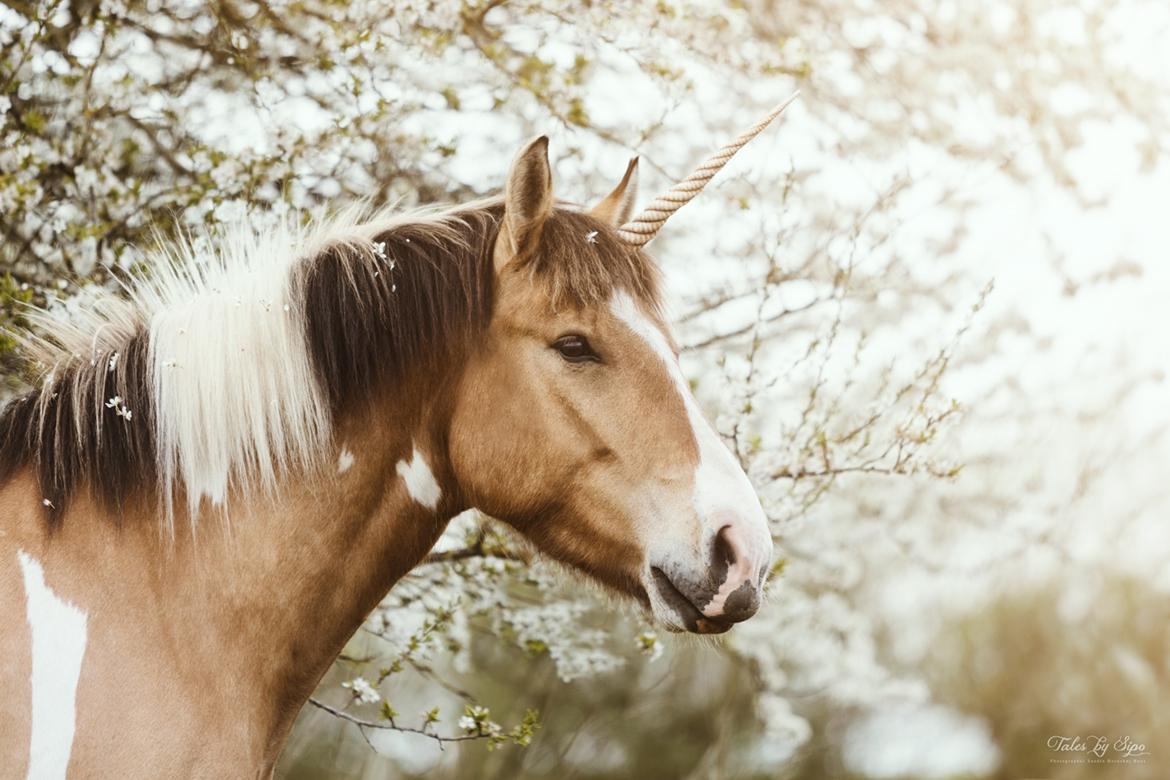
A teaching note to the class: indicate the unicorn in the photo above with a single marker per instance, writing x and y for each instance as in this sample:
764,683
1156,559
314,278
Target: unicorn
220,474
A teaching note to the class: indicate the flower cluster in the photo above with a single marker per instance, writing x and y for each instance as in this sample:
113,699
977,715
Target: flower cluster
363,692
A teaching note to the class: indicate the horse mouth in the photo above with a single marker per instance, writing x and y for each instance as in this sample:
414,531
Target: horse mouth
693,620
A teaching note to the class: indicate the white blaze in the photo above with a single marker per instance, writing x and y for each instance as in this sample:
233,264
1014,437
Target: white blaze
58,645
722,489
419,480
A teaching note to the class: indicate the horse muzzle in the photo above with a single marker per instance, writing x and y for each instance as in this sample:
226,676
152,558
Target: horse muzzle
712,598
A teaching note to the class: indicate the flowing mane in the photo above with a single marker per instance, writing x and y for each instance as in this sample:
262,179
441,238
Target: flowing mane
230,359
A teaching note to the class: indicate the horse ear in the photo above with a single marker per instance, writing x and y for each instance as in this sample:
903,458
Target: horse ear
616,207
528,197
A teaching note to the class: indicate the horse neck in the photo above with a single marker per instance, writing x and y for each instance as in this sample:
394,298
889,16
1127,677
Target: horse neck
268,598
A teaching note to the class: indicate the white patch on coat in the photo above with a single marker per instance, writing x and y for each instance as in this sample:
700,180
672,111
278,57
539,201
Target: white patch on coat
420,482
58,645
722,491
344,460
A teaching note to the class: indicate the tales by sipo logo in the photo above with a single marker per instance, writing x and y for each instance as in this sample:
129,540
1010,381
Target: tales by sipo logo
1097,749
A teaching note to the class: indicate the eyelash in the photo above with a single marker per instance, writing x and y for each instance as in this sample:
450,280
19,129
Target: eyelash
575,348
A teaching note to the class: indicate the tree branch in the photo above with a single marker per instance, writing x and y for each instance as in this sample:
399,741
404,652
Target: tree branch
390,725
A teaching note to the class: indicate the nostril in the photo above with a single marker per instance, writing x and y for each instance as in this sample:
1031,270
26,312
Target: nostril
725,553
736,594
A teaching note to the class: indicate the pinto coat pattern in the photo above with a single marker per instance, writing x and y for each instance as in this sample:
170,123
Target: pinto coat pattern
216,481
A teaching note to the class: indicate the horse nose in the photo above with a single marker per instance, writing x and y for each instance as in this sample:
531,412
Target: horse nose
739,570
712,595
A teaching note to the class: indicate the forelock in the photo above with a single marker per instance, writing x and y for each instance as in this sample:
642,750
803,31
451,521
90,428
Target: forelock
583,261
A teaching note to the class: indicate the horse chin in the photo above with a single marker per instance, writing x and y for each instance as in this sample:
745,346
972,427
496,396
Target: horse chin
710,626
701,625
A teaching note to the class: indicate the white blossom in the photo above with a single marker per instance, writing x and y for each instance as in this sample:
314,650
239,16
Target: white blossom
649,645
362,690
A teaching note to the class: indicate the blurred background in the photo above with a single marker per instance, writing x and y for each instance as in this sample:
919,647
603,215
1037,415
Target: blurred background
927,310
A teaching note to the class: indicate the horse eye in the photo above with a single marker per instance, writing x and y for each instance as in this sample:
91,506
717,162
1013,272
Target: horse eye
575,349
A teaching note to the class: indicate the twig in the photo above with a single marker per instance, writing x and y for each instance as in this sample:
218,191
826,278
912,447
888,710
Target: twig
390,725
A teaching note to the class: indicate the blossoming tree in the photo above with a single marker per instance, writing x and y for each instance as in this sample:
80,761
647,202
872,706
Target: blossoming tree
809,317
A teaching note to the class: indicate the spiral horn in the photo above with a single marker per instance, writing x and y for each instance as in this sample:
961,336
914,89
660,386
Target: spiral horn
642,228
